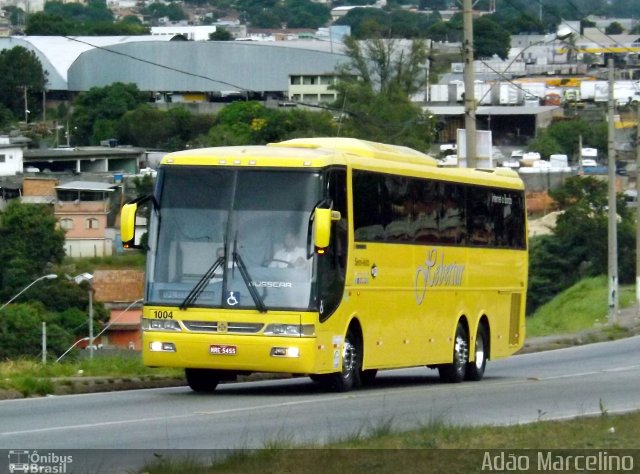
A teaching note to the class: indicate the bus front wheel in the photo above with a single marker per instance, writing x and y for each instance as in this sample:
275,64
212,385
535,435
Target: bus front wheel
202,380
349,377
456,370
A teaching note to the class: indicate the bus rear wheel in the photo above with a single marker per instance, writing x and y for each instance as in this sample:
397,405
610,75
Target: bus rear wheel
455,372
475,370
202,380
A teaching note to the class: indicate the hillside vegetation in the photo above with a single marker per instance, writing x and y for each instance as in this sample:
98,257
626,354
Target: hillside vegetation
582,306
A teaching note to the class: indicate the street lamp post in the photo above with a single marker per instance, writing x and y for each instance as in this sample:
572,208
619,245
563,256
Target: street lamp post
88,277
101,332
50,276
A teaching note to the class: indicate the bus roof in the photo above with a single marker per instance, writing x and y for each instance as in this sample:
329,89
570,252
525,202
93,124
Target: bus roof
362,148
325,151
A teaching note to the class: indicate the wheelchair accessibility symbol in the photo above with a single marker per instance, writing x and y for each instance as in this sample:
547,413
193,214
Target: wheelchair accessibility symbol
233,298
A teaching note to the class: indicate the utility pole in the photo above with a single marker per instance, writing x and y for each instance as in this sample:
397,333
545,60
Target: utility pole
612,214
26,105
580,154
638,206
90,321
469,92
44,343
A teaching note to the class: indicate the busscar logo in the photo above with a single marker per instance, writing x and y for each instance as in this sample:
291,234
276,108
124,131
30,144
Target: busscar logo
21,460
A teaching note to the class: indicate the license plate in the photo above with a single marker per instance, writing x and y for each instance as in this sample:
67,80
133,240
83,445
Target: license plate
219,349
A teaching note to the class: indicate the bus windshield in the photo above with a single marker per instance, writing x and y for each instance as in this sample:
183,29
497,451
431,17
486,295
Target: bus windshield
232,238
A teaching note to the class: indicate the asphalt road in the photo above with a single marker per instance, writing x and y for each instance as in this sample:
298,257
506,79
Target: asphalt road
548,385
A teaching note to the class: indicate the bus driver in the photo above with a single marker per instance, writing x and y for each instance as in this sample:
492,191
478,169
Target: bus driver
290,255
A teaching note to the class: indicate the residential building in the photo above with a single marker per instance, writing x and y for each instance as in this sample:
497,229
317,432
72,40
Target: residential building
39,189
121,292
90,159
10,157
82,209
312,88
123,329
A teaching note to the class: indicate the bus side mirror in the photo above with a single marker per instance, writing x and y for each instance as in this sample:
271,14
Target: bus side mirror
128,225
128,222
322,227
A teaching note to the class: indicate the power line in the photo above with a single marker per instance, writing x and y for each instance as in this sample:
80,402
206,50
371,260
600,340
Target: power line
163,66
402,125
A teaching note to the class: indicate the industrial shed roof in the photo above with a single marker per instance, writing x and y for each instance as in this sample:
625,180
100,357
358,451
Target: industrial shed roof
57,53
190,66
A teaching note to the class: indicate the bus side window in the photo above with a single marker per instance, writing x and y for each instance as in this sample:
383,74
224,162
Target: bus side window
452,214
371,209
480,223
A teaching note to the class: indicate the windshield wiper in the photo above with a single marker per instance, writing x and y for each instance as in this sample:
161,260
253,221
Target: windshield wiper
257,299
197,290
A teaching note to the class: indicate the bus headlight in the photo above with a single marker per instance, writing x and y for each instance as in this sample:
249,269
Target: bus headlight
159,346
160,325
292,330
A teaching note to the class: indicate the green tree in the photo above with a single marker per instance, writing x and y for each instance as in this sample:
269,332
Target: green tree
119,28
45,24
622,9
173,11
578,246
6,117
374,90
75,19
94,11
489,38
20,69
614,28
29,242
305,14
368,23
173,130
433,4
221,34
144,126
16,15
564,136
251,123
21,331
445,31
97,111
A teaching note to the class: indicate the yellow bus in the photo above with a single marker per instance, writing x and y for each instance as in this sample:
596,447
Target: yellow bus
332,258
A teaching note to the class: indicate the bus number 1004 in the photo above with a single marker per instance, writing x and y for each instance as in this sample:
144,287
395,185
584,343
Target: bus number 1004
163,314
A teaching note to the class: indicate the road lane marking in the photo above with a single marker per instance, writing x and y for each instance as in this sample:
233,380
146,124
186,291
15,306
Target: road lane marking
378,393
583,374
173,417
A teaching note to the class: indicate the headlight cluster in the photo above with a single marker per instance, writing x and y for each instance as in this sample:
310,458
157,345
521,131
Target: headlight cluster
292,330
160,325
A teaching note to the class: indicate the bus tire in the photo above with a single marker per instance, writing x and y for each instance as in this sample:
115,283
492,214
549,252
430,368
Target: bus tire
475,370
202,380
349,377
368,376
455,371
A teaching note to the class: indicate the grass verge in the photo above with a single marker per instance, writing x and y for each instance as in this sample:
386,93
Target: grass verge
30,377
436,447
90,264
580,307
